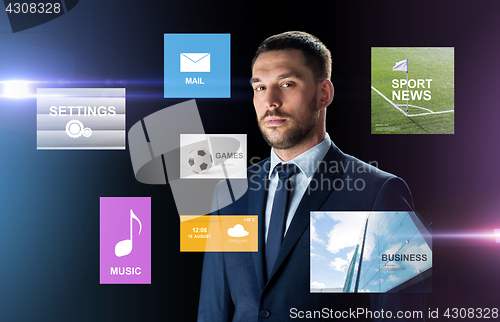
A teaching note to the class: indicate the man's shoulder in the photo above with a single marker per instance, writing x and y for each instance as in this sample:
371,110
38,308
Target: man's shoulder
374,189
342,163
369,169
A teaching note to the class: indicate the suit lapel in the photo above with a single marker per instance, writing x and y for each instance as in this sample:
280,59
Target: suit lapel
257,197
315,195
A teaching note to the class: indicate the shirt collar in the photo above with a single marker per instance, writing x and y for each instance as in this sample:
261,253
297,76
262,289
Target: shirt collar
308,161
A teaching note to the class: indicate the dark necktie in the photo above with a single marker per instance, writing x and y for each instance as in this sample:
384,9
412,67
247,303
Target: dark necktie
279,214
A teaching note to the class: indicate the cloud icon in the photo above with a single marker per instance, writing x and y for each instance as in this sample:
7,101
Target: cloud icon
237,231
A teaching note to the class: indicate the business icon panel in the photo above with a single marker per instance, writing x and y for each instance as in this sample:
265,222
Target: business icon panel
370,252
197,66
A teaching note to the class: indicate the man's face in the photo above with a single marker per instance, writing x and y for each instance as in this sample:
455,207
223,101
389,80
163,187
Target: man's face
285,98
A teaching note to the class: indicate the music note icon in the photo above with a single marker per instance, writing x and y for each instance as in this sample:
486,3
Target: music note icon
124,247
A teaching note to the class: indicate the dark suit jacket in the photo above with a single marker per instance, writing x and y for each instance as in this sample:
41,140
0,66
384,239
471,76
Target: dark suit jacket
234,287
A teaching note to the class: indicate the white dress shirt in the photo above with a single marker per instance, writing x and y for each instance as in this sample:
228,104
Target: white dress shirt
307,162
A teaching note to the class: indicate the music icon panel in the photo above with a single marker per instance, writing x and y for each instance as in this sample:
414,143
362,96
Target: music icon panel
125,240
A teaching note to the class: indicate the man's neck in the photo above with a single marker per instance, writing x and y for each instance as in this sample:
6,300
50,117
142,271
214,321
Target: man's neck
289,154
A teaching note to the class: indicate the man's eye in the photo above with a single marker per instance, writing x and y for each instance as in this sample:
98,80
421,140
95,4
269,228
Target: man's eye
286,85
259,88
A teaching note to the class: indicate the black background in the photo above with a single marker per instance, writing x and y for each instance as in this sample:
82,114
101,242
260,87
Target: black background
49,228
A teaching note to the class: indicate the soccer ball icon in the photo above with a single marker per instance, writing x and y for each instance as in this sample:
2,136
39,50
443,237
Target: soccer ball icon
199,160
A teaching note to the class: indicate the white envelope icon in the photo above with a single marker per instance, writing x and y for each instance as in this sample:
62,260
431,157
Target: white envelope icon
195,62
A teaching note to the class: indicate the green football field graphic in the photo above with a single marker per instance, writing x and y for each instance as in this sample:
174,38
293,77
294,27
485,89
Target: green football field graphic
430,91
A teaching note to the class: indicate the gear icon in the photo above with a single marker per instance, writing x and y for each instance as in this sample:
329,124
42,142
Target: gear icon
87,132
74,129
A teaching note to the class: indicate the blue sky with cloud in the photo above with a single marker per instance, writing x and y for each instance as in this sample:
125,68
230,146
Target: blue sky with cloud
334,236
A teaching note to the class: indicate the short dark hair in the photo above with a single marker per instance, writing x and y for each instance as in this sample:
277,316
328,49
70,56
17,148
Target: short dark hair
318,57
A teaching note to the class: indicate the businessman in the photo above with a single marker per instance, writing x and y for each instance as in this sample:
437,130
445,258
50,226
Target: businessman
305,172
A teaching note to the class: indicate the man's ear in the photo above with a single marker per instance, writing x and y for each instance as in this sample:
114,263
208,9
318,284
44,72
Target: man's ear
326,93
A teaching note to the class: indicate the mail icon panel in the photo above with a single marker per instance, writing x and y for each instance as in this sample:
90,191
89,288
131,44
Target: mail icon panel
197,66
195,62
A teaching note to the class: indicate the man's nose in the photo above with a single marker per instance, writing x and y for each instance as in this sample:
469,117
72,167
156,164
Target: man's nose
273,98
